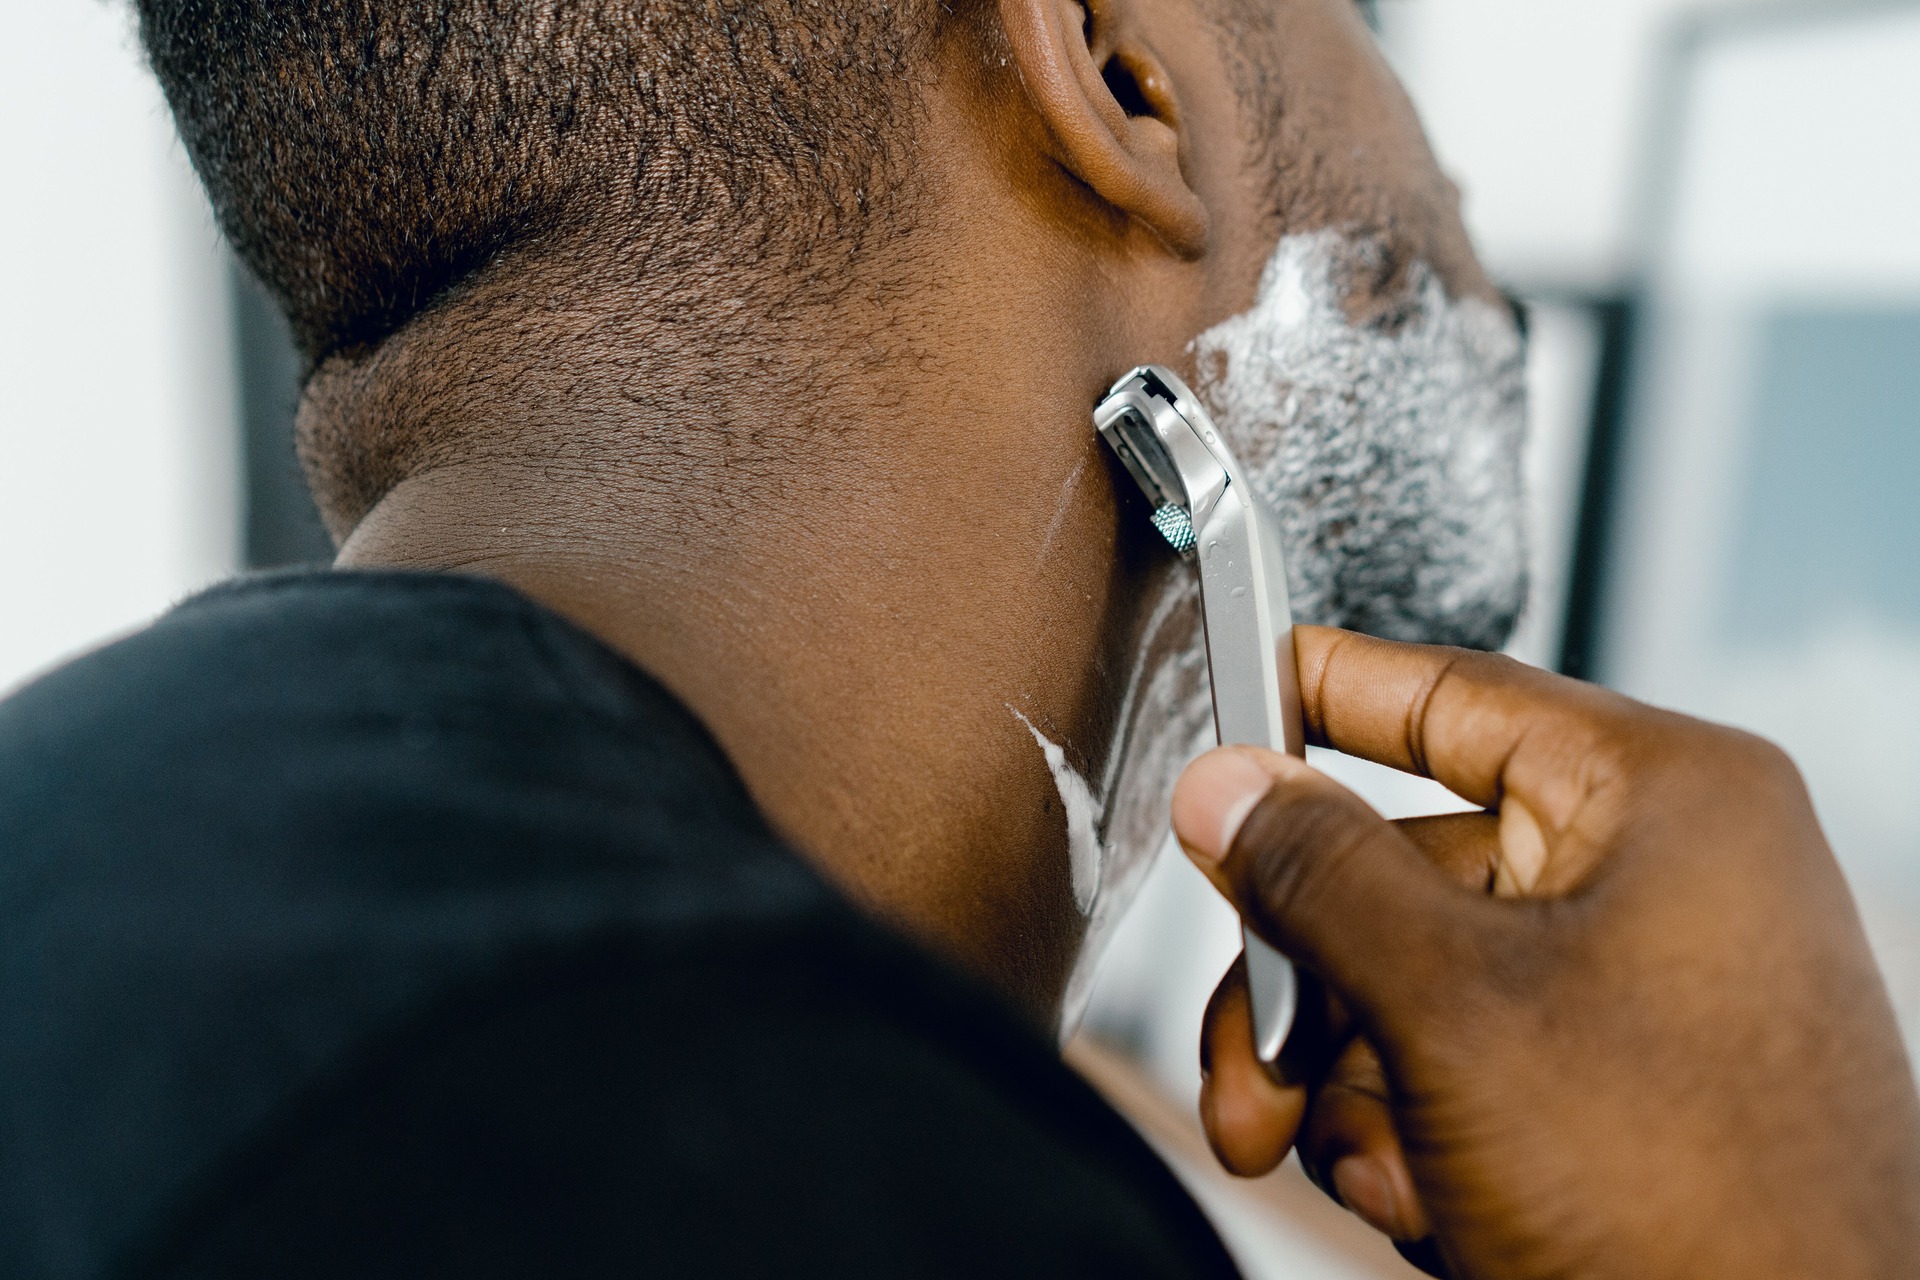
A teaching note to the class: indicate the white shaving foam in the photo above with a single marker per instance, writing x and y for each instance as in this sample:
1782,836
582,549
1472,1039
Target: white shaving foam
1084,850
1390,454
1392,459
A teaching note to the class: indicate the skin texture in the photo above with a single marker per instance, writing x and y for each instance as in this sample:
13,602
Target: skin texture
1634,1032
857,517
856,529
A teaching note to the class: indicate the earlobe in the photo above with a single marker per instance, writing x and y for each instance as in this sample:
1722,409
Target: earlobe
1109,107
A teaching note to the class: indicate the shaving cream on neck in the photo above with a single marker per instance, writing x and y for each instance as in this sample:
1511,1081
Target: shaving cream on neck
1390,453
1085,853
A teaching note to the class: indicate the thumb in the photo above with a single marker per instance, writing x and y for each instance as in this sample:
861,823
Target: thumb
1314,870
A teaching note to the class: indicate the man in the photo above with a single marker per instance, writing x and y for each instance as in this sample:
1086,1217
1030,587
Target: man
730,366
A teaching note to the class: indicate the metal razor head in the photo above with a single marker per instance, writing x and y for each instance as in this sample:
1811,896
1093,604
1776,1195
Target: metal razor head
1130,435
1126,419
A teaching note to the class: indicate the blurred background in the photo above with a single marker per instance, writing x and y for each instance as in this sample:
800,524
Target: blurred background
1711,213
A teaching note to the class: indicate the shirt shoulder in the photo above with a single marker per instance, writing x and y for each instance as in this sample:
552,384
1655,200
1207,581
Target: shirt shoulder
388,924
240,844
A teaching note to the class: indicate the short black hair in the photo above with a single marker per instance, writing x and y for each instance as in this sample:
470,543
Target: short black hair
364,157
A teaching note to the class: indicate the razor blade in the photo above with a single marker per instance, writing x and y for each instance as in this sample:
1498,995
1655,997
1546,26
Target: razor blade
1209,514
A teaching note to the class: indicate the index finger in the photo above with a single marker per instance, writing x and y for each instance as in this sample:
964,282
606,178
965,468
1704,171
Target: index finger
1480,724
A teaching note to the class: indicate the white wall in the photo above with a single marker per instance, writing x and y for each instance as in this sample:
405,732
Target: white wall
116,453
1539,109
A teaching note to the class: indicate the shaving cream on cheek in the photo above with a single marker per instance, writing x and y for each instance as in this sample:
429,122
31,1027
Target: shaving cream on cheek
1390,454
1392,457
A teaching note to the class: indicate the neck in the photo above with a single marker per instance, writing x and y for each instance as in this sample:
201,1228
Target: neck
856,601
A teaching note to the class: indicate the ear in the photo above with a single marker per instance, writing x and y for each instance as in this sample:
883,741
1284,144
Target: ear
1107,99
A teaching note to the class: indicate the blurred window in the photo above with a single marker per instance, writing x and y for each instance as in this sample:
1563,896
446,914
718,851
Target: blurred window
1828,527
1765,569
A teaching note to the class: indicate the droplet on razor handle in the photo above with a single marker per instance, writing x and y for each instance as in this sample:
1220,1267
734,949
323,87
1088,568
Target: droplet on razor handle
1273,992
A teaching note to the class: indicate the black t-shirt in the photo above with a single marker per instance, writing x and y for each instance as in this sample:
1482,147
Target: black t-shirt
369,925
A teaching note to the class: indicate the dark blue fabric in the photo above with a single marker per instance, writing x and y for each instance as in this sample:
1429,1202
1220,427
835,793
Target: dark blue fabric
386,924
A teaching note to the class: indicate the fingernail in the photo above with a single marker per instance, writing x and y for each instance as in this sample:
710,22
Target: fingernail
1214,798
1363,1186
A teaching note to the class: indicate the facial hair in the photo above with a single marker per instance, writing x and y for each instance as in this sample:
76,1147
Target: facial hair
1390,453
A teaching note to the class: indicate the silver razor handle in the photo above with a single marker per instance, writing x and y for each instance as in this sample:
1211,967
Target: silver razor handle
1207,511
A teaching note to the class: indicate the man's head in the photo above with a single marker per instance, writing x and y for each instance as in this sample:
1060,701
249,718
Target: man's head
760,336
369,160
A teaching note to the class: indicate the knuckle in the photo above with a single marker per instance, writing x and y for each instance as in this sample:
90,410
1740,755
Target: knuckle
1592,765
1760,776
1416,728
1736,762
1636,738
1763,758
1613,747
1622,743
1625,731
